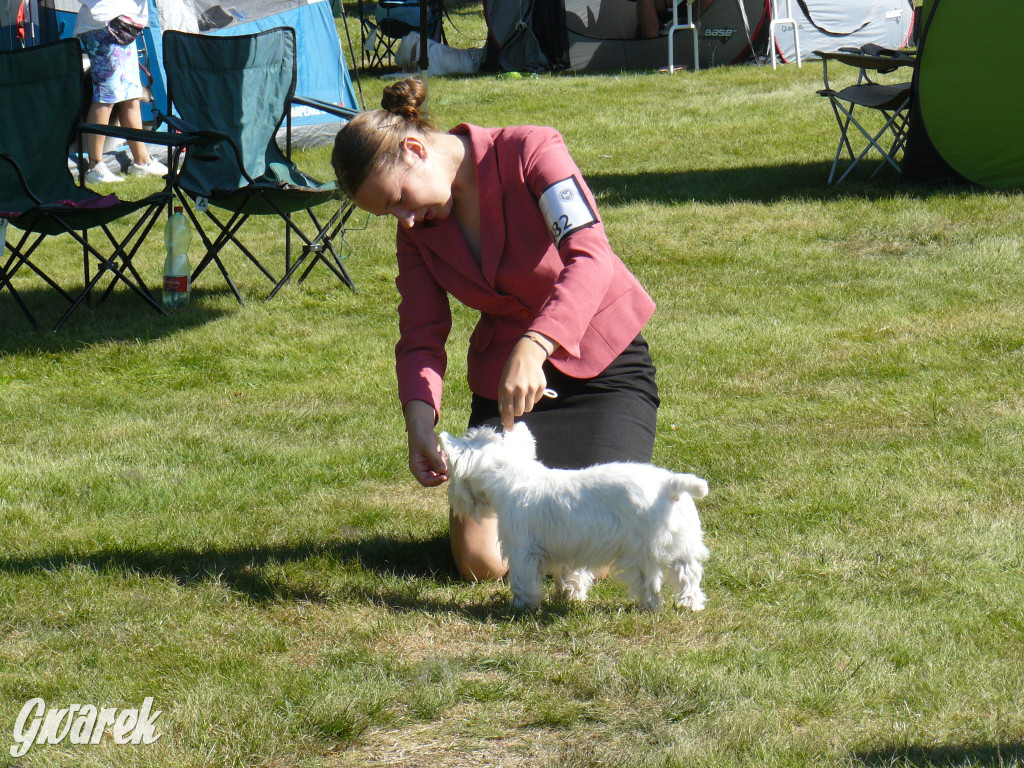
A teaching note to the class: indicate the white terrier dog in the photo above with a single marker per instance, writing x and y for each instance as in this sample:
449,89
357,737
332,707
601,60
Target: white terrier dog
637,517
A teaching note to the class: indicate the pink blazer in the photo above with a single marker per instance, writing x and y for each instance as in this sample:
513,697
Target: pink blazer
533,276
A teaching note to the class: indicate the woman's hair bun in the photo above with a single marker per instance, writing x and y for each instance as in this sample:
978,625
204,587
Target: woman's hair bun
405,99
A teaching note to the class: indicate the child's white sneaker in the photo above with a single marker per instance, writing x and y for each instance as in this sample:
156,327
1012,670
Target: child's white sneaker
153,168
101,174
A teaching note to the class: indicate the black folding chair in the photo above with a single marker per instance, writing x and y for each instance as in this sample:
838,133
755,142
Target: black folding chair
382,31
41,88
869,95
241,89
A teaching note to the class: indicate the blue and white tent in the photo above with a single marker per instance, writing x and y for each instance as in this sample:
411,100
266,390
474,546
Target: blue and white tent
322,72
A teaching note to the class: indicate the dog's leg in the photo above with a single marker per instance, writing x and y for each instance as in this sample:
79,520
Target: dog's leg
685,576
573,585
525,574
644,582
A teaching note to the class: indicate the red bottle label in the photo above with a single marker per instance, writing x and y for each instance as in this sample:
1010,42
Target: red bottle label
176,284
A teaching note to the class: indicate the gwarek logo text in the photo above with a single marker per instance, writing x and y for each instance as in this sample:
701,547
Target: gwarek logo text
82,724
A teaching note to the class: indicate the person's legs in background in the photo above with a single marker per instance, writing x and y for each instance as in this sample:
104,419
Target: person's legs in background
129,113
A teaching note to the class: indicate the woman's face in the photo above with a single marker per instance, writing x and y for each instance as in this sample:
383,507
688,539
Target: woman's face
416,189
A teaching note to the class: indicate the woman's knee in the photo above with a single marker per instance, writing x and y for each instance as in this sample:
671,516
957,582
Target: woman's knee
476,550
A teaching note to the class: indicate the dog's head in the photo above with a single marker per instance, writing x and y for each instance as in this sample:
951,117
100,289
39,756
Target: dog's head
474,456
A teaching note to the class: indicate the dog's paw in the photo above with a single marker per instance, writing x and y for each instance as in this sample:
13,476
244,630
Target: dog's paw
573,585
652,602
520,605
694,602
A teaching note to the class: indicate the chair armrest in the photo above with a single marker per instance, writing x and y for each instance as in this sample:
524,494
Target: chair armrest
21,177
162,138
323,106
866,61
206,148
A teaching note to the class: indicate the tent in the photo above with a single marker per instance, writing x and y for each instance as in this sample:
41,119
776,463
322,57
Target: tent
322,72
968,90
828,25
601,35
29,22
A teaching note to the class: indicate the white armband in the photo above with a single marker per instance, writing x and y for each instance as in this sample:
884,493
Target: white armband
565,208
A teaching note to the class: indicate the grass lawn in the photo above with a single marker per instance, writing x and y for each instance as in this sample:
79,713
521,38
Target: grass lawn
214,510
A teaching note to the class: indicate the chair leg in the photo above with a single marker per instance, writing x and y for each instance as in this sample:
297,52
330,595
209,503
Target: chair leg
135,240
117,271
23,259
892,125
314,247
5,282
226,231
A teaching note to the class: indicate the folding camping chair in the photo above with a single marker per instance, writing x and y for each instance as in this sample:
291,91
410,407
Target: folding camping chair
890,100
242,88
42,90
391,21
780,19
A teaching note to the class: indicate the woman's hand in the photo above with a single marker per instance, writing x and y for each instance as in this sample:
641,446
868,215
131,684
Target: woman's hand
522,382
426,462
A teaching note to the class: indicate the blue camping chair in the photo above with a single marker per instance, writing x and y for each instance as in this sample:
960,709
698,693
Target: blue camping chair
42,88
241,88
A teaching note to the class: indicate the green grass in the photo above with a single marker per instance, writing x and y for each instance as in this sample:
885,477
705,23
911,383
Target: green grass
213,509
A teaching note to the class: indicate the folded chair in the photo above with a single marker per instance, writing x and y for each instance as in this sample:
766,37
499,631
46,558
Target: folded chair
41,90
241,88
890,101
391,21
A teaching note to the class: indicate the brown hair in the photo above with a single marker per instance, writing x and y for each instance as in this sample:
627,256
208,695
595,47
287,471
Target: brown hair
371,141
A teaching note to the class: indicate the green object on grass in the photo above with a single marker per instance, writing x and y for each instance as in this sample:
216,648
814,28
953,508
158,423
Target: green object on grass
968,95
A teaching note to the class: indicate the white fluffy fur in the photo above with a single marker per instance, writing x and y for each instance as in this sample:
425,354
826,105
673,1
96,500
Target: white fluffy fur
639,518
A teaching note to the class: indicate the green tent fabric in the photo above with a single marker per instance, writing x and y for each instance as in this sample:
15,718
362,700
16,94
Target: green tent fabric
968,100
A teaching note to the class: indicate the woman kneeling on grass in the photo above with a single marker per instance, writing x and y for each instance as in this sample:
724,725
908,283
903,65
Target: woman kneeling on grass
501,219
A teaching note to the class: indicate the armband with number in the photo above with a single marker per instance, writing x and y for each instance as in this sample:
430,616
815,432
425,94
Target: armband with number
566,208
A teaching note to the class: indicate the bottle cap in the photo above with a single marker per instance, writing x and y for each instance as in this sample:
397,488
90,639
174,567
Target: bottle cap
178,209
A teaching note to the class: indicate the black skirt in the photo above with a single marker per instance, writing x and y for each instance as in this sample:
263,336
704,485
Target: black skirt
611,417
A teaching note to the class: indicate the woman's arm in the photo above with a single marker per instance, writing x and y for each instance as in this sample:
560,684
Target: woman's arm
426,462
570,210
424,322
522,382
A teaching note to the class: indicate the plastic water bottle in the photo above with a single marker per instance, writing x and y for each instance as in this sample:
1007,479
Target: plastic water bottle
177,270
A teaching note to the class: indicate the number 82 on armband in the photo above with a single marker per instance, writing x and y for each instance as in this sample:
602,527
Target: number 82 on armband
565,208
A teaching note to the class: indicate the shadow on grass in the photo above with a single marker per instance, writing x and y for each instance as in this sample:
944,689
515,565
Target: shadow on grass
398,574
952,756
122,317
239,569
754,184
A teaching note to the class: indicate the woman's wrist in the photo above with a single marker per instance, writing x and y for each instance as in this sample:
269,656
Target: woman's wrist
541,341
419,415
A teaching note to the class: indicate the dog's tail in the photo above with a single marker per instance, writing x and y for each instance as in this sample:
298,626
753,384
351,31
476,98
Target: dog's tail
678,484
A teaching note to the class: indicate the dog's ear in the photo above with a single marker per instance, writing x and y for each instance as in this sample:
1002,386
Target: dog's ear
521,441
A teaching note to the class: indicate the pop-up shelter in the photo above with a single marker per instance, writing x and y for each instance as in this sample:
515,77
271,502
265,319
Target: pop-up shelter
601,35
967,97
828,25
322,72
25,23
